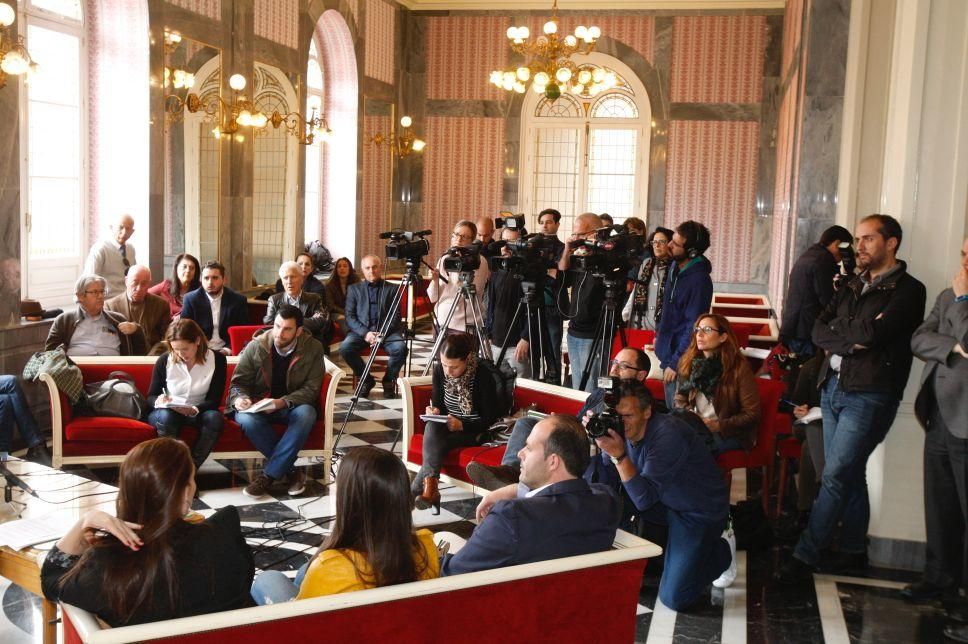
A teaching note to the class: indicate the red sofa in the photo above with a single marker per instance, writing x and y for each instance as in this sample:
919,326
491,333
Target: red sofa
588,598
93,439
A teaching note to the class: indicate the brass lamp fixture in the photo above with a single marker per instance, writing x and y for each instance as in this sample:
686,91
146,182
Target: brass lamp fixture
228,116
176,78
401,144
15,60
548,66
306,130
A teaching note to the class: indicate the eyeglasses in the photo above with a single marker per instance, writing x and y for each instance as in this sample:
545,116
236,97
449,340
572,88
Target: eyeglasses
706,330
95,293
622,365
457,235
659,242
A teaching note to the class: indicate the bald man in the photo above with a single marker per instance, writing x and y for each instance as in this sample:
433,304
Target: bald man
367,305
112,256
149,313
485,230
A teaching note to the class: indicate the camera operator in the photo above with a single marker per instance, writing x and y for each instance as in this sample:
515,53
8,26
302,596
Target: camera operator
585,305
688,294
677,495
443,293
811,288
628,364
485,230
549,220
503,295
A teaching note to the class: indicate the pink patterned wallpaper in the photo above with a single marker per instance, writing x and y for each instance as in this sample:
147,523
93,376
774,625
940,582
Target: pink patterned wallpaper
376,173
462,173
380,42
278,20
461,53
209,8
638,32
717,59
711,177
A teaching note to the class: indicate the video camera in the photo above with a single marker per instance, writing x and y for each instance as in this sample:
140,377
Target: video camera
849,261
530,257
514,222
599,424
407,245
463,259
608,252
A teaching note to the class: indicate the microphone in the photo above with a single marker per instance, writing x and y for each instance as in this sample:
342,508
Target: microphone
15,481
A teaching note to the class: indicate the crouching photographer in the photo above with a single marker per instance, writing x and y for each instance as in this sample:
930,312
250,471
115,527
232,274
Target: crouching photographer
675,494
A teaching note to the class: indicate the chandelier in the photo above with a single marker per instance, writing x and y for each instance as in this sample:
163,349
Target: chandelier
15,60
548,66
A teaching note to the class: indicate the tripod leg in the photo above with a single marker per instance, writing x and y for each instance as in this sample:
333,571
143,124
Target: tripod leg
507,336
440,337
590,361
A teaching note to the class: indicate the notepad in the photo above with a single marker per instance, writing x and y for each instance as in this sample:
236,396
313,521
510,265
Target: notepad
27,532
433,418
262,405
813,414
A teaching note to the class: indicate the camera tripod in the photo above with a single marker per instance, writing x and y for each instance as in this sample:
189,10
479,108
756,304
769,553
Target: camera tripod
468,295
605,327
532,302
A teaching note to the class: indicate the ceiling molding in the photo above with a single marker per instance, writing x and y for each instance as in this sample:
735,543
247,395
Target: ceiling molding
591,5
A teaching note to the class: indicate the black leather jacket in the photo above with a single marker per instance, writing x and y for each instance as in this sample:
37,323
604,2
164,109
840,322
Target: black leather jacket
882,320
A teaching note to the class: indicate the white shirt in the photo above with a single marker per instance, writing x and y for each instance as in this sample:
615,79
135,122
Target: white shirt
105,260
531,493
190,384
216,342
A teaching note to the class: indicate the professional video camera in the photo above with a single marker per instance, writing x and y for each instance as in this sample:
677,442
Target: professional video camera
849,262
599,424
514,222
463,259
530,257
407,245
608,252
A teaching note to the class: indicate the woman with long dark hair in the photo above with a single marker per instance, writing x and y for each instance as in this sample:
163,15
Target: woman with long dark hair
185,276
186,388
149,563
643,309
717,383
336,286
373,542
467,396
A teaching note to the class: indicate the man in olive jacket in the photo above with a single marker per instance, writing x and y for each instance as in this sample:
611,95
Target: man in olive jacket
281,369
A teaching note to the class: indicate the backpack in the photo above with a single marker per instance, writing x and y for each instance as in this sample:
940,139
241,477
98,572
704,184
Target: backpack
503,377
322,258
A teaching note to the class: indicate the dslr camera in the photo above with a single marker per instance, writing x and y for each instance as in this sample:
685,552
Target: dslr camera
462,259
608,252
599,424
406,245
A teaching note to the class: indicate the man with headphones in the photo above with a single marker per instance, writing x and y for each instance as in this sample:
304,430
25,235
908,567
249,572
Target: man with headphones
688,294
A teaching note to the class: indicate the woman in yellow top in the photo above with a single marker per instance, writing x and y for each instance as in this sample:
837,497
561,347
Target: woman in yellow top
373,542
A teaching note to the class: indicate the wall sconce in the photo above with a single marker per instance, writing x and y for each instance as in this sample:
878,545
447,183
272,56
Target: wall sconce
228,115
401,144
306,131
15,60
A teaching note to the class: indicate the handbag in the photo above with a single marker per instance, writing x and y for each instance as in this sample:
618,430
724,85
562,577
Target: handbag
117,396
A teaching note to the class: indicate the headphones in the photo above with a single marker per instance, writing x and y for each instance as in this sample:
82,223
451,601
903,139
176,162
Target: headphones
700,244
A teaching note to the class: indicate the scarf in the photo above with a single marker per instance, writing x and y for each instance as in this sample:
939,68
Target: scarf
703,377
640,301
461,387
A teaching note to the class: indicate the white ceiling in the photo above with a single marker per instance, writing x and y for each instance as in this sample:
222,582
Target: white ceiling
586,5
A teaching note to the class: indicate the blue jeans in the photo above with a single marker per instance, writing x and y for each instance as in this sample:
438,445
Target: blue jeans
209,424
393,344
519,436
14,407
273,587
280,452
695,555
579,353
853,425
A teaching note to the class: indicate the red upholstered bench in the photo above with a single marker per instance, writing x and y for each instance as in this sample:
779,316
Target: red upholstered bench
94,439
588,598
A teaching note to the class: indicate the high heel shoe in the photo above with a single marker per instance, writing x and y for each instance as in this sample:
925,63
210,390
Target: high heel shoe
430,496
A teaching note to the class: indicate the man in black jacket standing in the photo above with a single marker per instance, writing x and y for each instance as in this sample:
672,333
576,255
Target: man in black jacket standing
811,287
865,332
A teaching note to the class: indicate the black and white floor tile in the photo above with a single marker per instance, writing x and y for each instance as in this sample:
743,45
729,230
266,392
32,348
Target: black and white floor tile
285,531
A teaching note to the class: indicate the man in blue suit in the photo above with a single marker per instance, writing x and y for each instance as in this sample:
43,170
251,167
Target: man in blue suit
215,307
551,513
367,304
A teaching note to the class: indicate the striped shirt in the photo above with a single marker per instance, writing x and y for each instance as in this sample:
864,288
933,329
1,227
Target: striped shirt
453,404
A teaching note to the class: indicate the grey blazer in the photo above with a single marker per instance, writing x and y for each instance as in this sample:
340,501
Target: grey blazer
945,378
313,306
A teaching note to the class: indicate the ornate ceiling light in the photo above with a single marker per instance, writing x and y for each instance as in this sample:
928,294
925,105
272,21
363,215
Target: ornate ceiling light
15,60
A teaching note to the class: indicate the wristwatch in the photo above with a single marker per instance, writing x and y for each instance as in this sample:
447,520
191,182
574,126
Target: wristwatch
616,461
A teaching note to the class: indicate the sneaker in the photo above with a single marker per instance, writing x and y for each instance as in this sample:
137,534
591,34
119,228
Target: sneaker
492,477
39,454
258,488
726,579
297,482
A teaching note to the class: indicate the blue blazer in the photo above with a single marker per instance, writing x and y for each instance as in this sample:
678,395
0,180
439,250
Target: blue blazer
565,519
358,307
234,311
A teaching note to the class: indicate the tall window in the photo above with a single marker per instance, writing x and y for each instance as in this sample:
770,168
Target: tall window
314,177
588,153
53,142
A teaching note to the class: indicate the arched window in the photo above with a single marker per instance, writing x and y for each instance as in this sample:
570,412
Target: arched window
583,153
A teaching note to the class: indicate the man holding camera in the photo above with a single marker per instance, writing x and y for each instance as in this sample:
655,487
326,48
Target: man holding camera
629,363
687,295
444,293
675,489
503,296
367,306
549,220
587,299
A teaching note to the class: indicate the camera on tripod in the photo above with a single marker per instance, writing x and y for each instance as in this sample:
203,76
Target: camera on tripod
599,424
407,245
608,252
513,222
529,259
462,259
